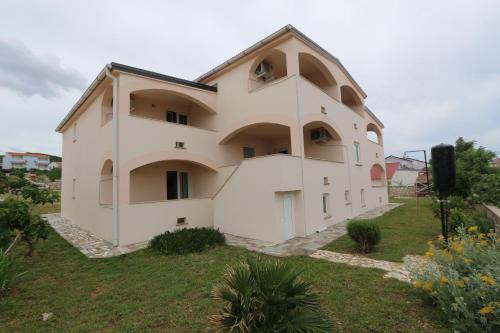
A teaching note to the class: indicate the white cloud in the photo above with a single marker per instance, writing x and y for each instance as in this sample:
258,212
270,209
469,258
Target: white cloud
28,74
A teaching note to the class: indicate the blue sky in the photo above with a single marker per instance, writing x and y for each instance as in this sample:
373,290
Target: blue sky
431,69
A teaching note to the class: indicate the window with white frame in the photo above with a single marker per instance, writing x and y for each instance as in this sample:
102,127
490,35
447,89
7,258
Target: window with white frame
326,204
177,185
363,203
73,188
357,152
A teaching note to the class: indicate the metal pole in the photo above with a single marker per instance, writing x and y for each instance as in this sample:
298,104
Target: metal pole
427,174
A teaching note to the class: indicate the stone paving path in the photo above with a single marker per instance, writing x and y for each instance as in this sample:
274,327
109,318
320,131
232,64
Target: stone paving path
87,243
305,245
397,270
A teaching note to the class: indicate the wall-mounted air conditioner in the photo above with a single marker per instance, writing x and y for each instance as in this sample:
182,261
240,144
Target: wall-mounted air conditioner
263,71
320,135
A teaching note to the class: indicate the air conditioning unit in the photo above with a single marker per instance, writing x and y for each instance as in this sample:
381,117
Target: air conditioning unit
320,135
263,71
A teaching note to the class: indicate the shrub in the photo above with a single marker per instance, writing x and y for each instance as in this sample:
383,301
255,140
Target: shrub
464,280
16,214
462,219
187,240
365,233
267,296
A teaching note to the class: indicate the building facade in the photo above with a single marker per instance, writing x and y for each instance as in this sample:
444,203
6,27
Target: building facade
29,161
270,145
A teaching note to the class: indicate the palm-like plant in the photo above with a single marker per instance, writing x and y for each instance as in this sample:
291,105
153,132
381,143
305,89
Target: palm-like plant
267,296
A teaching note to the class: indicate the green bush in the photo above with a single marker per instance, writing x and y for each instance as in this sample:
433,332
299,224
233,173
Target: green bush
267,296
464,280
187,240
365,233
464,219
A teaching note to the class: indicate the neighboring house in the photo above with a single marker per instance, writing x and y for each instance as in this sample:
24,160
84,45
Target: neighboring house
55,165
495,163
406,162
270,145
29,161
1,161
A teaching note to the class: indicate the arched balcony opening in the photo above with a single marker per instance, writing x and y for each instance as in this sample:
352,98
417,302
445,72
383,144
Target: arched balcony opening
107,105
377,173
374,134
318,74
322,141
106,183
257,140
171,180
267,68
350,98
171,107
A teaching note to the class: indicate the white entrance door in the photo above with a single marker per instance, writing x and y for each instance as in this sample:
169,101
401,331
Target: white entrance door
288,215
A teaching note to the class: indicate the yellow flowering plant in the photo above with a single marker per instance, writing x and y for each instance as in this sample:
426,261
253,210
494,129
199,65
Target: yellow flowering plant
463,280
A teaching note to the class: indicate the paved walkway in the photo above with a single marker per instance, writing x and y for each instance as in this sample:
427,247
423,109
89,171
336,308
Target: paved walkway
305,245
87,243
397,270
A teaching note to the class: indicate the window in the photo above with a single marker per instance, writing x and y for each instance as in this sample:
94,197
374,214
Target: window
183,119
74,132
248,152
357,149
73,188
181,220
326,181
347,196
326,204
177,185
184,185
179,144
171,116
363,203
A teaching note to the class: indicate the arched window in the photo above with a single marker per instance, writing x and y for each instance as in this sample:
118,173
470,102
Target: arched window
258,139
350,98
317,73
374,134
322,142
171,107
106,183
171,180
377,174
268,67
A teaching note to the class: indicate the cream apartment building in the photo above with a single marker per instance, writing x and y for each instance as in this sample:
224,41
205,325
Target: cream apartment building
270,145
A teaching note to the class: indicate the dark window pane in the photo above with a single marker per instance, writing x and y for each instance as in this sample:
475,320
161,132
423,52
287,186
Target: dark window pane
248,152
171,116
183,119
183,178
172,185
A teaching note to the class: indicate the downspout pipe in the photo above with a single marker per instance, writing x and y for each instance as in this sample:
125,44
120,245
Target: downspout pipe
114,148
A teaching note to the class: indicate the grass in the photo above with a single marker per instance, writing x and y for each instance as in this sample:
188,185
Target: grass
405,230
47,208
144,291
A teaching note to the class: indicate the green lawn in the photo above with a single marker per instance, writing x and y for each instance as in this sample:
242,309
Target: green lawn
405,230
47,208
144,291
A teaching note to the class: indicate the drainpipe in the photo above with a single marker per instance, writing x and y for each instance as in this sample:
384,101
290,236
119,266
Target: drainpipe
114,148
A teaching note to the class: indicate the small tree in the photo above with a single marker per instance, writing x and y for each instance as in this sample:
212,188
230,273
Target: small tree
267,296
54,174
17,214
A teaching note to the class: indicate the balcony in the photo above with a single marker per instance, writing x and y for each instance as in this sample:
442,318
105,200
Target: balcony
166,121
